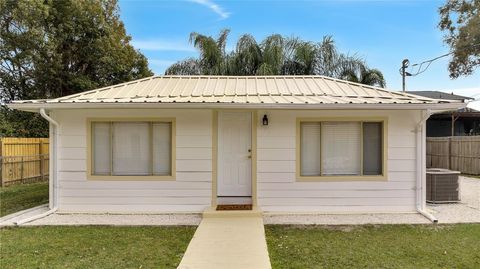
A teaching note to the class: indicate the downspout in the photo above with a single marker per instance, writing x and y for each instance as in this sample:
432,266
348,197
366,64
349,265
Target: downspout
421,166
52,170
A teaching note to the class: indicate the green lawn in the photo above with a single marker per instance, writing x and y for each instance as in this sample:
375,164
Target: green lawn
384,246
93,246
18,197
471,176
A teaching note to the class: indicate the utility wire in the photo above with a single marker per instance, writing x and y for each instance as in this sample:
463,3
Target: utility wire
427,63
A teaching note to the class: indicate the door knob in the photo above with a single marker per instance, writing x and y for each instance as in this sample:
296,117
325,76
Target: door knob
249,156
249,150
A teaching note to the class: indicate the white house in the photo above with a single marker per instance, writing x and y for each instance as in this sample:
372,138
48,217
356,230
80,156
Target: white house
282,143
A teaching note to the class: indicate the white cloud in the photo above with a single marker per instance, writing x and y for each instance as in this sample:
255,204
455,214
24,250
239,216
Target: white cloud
214,7
162,45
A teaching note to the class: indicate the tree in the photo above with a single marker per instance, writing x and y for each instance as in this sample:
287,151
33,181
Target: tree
275,55
364,75
460,20
50,49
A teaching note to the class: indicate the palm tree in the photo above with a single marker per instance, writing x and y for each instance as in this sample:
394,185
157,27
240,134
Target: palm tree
275,55
247,57
212,52
364,75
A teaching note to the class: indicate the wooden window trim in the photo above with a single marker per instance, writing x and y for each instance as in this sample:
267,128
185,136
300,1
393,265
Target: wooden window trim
91,176
382,177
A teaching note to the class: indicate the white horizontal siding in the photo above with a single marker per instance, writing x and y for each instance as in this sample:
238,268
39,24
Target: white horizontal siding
194,165
128,200
272,177
334,186
72,176
194,153
89,192
276,154
276,166
333,201
190,191
338,194
73,141
67,165
193,141
140,185
404,153
73,153
279,190
340,208
130,208
276,142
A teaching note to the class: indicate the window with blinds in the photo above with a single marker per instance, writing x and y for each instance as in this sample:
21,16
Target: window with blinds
341,148
131,148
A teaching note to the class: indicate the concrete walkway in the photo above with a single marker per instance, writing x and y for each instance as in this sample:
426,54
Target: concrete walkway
11,219
232,242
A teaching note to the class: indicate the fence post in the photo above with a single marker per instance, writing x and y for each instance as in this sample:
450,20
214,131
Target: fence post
42,174
21,171
40,152
1,162
1,170
449,153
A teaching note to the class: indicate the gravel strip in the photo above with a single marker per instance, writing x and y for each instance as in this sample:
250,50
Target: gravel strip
467,211
119,219
345,219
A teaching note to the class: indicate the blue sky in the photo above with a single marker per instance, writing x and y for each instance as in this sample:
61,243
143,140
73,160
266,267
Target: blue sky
382,32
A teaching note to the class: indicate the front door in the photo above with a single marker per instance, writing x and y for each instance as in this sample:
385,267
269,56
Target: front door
234,154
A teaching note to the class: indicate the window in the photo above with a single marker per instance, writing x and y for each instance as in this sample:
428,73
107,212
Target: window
131,148
340,148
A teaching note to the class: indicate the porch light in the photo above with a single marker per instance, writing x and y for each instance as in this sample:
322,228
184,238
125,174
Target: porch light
265,120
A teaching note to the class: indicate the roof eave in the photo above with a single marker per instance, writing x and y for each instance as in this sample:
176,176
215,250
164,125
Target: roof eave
35,107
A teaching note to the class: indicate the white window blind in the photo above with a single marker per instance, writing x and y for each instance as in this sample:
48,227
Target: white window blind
132,148
162,142
310,148
131,151
101,148
341,148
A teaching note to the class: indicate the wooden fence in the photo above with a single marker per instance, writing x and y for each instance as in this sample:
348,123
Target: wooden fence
459,153
23,160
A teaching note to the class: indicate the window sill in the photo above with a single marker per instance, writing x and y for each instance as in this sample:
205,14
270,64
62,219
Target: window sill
130,178
340,178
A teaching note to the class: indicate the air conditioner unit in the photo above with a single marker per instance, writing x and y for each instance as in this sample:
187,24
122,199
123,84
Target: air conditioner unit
442,186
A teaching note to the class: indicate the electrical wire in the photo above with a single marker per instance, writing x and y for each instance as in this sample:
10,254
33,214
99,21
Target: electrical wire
427,63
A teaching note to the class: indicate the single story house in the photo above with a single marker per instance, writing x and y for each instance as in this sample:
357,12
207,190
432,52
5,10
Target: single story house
283,143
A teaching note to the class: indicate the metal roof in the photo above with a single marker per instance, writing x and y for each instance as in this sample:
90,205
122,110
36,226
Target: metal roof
258,90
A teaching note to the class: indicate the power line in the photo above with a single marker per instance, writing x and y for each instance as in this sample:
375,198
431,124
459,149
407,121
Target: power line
427,63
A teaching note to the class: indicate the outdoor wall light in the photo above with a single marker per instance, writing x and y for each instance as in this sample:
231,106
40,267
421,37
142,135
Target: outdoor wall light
265,120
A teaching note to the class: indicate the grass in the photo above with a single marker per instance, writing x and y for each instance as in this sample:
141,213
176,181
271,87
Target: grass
93,246
18,197
471,176
385,246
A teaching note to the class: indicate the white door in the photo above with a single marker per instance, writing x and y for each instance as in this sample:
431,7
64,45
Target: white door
234,154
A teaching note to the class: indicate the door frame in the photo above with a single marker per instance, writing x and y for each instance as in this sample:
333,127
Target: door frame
215,153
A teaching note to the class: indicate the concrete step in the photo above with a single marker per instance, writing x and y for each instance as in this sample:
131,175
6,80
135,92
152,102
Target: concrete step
213,213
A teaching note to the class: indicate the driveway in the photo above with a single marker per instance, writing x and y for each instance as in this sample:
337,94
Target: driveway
467,211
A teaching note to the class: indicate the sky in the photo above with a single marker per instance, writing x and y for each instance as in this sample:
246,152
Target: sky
382,32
